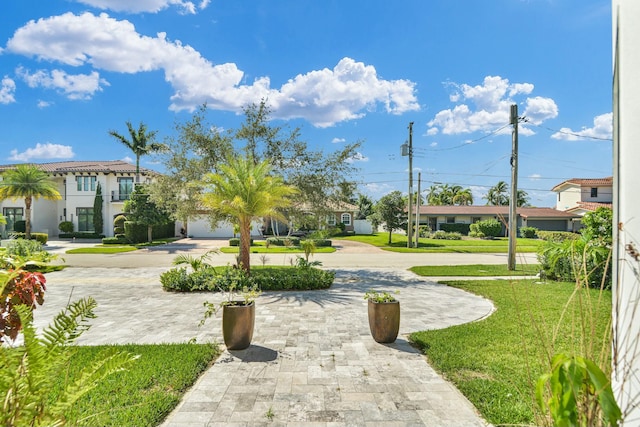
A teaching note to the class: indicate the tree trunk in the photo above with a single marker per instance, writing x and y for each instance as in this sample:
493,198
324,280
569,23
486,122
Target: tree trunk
150,233
245,244
390,231
27,219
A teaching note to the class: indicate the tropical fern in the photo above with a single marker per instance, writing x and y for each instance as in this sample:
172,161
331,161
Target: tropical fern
28,372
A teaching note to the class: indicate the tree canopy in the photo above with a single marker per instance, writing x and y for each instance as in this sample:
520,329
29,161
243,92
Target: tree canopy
448,195
390,212
141,142
141,209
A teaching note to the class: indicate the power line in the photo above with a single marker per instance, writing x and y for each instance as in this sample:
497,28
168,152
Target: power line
579,135
464,144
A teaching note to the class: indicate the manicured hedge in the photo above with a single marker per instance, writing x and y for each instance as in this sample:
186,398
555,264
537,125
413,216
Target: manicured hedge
40,237
117,240
557,236
282,241
235,241
455,228
80,235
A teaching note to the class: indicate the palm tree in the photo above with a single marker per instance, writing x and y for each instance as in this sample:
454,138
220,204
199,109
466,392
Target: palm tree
245,190
141,143
498,194
28,182
463,197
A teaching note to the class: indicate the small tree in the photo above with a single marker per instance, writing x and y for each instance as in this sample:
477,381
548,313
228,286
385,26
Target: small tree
143,211
390,211
98,221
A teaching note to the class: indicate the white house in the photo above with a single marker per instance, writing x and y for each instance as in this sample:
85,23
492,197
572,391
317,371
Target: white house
582,195
77,181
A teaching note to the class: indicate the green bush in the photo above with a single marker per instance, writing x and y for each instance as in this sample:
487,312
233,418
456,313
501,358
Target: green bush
284,241
528,232
23,247
322,243
118,224
42,238
488,228
81,235
176,279
444,235
235,241
117,240
424,231
455,228
135,232
66,227
557,236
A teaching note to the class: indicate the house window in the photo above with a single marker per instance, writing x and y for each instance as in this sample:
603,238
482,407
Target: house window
594,191
125,188
475,219
86,183
85,219
331,220
12,215
451,220
346,219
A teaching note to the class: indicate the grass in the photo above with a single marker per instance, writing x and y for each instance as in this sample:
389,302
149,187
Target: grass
465,245
476,270
103,249
495,362
146,393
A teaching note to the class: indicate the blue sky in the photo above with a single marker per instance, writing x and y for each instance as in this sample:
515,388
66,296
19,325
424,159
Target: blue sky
342,71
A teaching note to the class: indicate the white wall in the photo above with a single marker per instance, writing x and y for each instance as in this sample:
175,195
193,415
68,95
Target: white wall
626,208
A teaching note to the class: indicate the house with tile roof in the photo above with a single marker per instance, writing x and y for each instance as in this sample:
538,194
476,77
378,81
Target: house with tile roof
548,219
77,182
582,195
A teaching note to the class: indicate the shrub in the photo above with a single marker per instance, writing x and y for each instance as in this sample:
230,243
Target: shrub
323,243
528,232
118,224
42,238
176,279
557,236
235,241
489,228
424,231
273,279
81,235
23,247
455,228
117,240
66,227
284,241
135,232
444,235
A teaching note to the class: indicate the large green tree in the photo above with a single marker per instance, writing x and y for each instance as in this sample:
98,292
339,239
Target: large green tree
244,190
447,195
200,147
390,211
27,182
499,195
141,142
141,209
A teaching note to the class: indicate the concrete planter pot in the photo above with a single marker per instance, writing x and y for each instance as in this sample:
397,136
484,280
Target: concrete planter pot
384,320
238,321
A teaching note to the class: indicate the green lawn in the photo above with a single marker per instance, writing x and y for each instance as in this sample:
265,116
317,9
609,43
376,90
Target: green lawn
146,393
103,249
477,270
466,245
490,360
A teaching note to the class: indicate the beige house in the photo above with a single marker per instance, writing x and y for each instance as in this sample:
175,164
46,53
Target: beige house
581,195
77,182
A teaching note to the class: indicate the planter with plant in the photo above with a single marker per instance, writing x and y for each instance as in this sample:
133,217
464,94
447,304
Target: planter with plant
384,316
238,308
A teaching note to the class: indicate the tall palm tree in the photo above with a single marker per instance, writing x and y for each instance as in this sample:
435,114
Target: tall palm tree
141,143
27,182
245,190
498,194
463,197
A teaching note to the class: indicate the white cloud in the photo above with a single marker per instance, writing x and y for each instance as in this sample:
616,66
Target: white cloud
432,131
433,144
323,97
43,151
535,177
7,90
602,129
79,86
43,104
487,107
337,140
138,6
127,159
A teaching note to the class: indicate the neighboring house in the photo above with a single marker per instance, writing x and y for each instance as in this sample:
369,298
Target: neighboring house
581,195
547,219
77,181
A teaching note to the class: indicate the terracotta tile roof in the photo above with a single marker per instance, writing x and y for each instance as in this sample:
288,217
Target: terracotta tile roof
495,210
585,182
108,166
590,206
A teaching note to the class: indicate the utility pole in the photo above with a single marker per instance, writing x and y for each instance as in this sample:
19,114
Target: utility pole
513,202
417,230
407,150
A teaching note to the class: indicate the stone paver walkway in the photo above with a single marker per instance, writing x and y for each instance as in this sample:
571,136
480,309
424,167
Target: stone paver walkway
312,361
